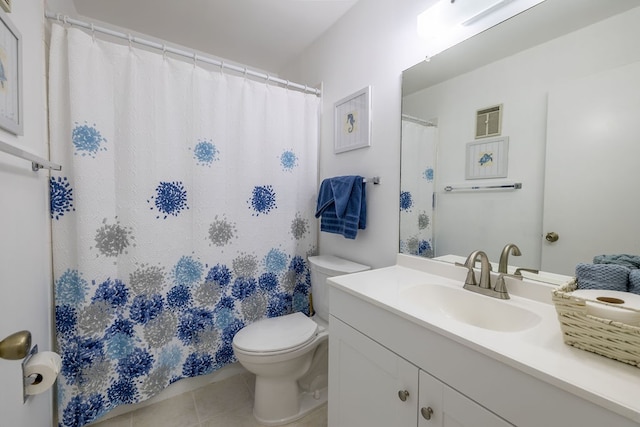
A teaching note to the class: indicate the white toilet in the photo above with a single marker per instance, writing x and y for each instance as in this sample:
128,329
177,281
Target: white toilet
289,354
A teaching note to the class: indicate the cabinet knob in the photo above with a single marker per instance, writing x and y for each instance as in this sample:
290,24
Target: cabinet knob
426,412
403,394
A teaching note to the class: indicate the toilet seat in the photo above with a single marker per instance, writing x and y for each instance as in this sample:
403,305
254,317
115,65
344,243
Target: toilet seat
276,335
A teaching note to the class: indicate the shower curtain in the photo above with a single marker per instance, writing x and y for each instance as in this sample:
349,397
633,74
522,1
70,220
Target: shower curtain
416,195
184,211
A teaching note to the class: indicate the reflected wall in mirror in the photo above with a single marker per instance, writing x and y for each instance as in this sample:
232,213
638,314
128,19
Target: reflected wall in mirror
541,66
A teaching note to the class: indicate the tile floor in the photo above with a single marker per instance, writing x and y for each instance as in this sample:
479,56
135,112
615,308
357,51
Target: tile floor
226,403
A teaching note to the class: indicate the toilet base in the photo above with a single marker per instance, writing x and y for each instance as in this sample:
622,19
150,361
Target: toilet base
308,402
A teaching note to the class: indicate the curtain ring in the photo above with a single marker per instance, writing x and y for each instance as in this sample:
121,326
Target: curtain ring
64,21
245,72
93,33
130,40
195,58
164,51
222,67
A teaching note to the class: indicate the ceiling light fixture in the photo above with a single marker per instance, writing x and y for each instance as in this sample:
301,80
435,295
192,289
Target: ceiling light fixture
448,23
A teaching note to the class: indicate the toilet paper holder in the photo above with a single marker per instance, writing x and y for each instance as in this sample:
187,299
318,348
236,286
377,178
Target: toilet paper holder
29,380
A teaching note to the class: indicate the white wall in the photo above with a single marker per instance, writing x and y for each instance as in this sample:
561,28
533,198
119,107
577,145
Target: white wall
25,268
370,45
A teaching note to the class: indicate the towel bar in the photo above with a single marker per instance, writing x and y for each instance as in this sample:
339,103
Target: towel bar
514,186
37,163
375,180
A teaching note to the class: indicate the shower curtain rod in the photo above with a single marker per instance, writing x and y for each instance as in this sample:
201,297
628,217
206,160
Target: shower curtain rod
192,55
418,120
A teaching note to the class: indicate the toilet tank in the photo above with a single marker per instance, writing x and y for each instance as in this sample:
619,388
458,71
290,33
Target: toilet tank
323,267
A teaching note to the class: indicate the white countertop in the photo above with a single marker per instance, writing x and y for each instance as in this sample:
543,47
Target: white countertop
538,351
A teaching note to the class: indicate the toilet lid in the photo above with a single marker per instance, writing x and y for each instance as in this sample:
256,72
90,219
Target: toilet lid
276,334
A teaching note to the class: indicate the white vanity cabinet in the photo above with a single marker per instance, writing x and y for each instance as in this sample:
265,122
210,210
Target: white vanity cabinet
372,386
380,344
365,381
450,408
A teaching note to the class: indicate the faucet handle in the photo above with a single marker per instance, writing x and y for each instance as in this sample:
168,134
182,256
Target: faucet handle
501,288
471,277
519,271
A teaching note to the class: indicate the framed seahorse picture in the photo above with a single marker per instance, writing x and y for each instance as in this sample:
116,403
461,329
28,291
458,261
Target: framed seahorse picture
487,158
352,121
10,76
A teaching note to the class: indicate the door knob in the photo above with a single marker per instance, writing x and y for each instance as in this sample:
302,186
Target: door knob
552,236
16,346
403,394
426,412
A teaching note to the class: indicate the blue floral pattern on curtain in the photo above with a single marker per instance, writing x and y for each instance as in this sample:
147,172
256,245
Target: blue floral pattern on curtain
183,213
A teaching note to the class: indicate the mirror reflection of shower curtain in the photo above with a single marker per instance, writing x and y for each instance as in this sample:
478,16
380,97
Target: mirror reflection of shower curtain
419,143
185,211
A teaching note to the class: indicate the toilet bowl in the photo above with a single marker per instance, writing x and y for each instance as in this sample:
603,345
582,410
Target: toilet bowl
289,354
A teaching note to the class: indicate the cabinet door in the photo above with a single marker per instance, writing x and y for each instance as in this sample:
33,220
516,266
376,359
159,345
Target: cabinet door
367,382
450,408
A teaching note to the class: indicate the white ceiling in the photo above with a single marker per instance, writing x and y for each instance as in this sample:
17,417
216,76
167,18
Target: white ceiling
263,34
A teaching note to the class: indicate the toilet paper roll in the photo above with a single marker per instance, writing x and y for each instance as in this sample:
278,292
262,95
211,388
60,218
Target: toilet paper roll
43,368
613,310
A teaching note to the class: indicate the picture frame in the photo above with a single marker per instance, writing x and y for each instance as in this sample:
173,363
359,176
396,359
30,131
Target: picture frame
11,118
487,158
352,121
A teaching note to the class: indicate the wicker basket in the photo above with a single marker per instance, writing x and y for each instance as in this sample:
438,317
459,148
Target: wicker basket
605,337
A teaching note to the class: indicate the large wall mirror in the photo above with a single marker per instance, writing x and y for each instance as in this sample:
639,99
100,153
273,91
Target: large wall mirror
558,173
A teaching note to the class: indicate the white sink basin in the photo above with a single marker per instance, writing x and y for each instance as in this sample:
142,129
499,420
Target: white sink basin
468,307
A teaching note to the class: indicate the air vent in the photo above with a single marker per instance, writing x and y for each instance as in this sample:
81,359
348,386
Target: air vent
489,121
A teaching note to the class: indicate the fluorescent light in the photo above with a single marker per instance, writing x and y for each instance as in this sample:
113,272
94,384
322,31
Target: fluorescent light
446,24
486,12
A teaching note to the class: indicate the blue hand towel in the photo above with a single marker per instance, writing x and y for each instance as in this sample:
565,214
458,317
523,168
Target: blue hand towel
631,261
602,276
634,281
342,205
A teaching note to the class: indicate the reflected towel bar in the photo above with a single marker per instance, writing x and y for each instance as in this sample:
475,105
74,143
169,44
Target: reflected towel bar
375,180
37,163
514,186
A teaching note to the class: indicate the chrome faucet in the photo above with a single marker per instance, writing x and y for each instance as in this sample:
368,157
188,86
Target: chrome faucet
504,256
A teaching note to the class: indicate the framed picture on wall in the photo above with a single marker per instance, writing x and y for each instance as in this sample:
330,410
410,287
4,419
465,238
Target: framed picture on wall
6,5
352,121
10,77
487,158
